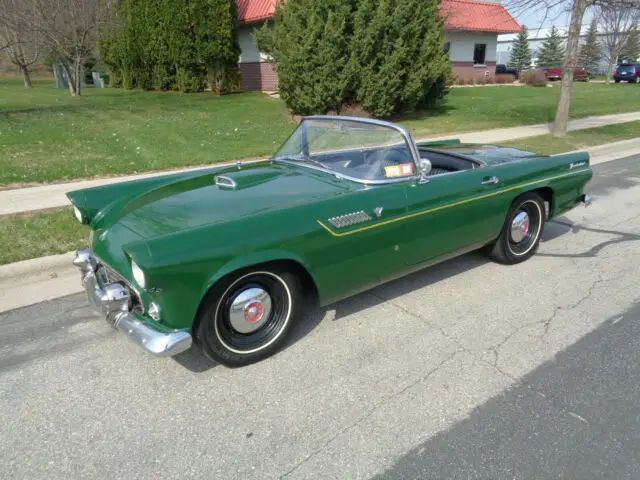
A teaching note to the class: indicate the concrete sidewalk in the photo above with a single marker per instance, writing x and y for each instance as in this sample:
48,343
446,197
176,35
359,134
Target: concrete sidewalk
51,196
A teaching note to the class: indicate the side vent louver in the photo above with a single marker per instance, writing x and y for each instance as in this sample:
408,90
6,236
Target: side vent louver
350,219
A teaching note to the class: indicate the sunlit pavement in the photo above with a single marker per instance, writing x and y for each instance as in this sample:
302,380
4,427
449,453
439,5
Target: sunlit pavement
468,369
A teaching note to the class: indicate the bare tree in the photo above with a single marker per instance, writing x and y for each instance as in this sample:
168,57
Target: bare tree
18,38
577,9
67,28
618,23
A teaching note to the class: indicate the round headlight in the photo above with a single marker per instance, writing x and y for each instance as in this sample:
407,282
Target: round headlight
78,214
138,274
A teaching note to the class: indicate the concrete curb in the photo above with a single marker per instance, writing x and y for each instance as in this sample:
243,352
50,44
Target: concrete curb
35,265
612,151
37,280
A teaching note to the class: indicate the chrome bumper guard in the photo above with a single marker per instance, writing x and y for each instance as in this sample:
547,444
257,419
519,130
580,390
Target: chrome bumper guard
113,300
586,199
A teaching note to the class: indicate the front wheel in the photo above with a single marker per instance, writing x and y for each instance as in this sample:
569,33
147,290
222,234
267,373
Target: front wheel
521,232
248,316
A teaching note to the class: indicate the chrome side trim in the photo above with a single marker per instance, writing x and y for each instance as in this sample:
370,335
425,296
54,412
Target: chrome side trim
223,181
350,219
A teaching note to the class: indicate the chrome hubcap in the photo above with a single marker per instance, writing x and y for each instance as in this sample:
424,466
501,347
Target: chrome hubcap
519,227
250,310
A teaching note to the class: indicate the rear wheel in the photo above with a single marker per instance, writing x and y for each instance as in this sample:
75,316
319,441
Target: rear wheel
521,232
248,316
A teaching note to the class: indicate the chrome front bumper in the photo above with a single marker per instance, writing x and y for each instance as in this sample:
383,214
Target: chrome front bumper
113,300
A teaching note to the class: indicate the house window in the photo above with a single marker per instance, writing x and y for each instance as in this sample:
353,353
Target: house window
479,51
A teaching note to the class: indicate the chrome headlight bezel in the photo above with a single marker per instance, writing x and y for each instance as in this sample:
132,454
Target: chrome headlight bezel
79,215
138,274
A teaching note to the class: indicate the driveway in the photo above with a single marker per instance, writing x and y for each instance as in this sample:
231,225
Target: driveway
469,369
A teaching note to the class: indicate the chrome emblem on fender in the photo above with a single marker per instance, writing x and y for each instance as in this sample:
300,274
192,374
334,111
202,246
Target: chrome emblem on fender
349,219
576,164
378,211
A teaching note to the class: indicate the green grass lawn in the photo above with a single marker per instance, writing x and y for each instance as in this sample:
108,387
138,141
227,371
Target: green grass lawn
578,140
40,234
47,136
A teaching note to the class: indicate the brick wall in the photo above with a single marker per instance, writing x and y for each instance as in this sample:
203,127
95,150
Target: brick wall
467,69
258,76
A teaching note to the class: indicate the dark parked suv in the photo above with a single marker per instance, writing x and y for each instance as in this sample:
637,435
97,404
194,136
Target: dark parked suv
502,69
628,73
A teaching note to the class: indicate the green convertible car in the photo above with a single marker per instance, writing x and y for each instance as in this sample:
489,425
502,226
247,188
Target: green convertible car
224,257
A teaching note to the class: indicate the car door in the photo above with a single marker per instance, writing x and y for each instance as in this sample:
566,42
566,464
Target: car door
451,213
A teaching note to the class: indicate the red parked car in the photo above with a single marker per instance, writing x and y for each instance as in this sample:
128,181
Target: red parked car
579,74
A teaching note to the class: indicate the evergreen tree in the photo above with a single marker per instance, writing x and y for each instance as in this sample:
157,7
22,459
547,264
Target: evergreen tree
214,25
552,51
521,52
591,51
310,41
398,59
631,49
388,56
170,44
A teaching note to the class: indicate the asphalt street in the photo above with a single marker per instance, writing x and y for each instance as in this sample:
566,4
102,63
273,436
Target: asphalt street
468,369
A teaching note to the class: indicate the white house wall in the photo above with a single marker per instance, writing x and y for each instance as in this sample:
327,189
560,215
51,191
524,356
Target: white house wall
249,50
463,43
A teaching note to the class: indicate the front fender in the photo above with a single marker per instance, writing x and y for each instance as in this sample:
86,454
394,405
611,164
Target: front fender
255,258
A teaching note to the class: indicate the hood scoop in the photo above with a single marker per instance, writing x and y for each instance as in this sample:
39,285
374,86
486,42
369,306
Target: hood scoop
225,182
236,179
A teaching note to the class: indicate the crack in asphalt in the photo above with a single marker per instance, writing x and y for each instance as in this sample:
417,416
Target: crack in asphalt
547,322
371,412
495,349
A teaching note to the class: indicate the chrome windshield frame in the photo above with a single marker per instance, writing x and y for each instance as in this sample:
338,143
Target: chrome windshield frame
408,138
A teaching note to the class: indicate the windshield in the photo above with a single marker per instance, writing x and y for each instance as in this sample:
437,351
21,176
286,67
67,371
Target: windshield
358,149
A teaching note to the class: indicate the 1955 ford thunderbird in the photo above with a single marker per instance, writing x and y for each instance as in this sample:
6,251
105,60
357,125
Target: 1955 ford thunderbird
224,257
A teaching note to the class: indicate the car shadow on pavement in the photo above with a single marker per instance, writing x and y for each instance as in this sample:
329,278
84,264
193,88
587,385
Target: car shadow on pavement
562,226
576,416
195,361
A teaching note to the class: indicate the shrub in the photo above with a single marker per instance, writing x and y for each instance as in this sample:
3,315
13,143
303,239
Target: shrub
190,80
504,78
534,78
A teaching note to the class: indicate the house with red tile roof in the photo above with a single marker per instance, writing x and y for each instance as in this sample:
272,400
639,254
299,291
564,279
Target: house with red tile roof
471,33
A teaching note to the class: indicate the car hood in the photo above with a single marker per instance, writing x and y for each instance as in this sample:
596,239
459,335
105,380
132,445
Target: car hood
241,192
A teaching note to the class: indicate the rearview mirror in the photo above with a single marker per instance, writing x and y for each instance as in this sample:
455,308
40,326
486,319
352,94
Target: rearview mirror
425,166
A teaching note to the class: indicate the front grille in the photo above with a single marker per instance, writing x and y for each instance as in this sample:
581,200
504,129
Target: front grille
106,275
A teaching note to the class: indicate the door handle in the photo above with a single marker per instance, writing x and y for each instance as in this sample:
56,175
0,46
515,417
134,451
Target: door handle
490,181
